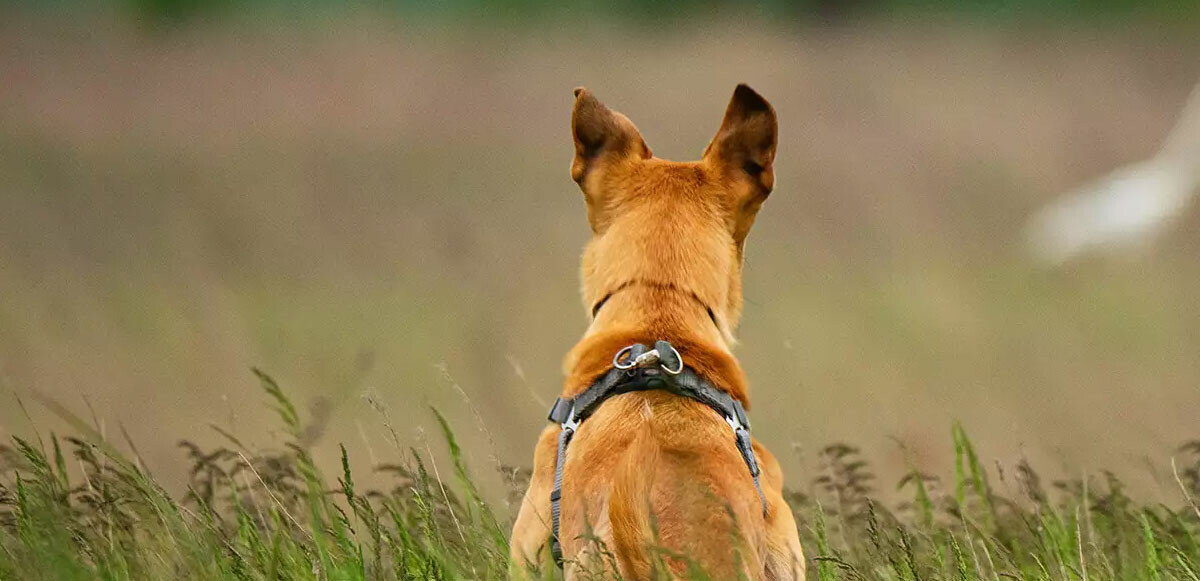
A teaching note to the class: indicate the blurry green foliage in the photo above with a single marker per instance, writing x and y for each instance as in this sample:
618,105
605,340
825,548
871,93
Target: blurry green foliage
178,10
166,11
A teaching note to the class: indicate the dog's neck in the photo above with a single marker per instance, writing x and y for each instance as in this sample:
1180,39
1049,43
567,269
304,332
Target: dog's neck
645,313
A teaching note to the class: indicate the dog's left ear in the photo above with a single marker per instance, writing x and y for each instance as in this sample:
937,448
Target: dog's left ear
746,141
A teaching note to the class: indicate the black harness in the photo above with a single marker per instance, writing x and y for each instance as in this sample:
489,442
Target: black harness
636,368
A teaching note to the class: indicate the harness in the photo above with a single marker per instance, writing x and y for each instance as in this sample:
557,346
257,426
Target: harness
636,368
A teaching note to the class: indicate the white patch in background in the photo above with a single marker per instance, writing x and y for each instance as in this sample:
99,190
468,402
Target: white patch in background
1127,209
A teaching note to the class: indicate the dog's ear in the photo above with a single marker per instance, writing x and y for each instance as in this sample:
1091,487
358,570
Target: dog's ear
601,135
746,141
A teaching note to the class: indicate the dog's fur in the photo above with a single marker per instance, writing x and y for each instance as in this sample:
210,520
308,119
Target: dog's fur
656,477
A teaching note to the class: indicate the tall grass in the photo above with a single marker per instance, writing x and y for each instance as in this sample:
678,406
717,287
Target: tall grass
246,515
77,508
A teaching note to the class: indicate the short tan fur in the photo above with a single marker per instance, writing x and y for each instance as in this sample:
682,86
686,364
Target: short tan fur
652,470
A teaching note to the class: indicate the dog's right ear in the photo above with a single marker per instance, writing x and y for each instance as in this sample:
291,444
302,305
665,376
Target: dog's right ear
747,138
601,136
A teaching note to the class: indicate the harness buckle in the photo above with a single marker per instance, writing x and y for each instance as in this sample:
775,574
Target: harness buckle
662,355
572,422
647,359
740,411
734,423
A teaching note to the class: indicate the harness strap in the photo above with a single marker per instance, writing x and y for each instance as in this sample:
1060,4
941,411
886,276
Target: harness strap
564,438
636,372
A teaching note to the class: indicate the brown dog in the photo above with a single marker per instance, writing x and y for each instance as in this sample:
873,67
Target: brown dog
654,478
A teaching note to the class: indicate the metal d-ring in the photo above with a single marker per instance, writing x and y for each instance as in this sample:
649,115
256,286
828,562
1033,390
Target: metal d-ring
678,357
617,358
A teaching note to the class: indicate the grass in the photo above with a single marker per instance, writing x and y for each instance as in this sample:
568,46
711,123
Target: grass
77,508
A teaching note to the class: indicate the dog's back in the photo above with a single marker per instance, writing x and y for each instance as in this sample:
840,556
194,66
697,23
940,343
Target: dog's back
673,492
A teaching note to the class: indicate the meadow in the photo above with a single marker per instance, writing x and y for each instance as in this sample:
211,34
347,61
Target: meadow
375,207
274,514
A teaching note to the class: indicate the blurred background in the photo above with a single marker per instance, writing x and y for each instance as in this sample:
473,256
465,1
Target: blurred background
370,201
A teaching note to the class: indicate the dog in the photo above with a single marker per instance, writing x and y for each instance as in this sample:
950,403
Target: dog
655,484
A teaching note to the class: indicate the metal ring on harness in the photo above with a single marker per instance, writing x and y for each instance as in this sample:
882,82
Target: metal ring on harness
620,354
667,352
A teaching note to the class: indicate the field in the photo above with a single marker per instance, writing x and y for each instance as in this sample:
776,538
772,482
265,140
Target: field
272,515
376,211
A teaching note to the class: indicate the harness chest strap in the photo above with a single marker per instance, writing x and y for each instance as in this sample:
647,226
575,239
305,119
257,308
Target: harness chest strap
637,369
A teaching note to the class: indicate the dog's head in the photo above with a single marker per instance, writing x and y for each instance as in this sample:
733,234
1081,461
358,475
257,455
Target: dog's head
679,226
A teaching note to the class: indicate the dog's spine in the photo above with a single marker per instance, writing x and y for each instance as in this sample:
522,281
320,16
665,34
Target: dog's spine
629,502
